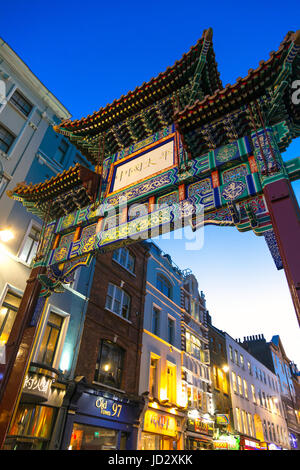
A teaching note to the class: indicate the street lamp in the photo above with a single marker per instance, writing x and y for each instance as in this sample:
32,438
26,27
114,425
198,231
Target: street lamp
225,368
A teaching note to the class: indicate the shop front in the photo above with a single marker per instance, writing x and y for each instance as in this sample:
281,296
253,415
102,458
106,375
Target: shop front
226,442
33,424
199,434
100,420
161,431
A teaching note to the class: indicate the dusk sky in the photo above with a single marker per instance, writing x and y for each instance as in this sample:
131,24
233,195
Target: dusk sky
90,53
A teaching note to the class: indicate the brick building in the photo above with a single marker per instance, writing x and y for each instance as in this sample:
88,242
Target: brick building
104,406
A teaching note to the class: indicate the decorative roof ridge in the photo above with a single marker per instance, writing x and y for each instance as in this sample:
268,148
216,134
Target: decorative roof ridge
288,39
207,34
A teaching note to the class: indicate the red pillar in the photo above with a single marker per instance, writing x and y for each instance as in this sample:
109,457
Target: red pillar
18,350
285,216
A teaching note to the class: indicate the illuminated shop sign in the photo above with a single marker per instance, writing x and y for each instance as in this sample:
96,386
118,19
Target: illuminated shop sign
227,442
160,424
38,386
143,165
222,419
108,407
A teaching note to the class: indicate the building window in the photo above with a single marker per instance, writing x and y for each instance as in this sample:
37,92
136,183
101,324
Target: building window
32,421
250,424
236,360
21,103
171,330
117,301
153,377
266,431
245,424
109,366
48,347
193,345
6,139
240,385
249,368
125,258
233,375
242,360
230,353
62,151
29,248
8,313
155,321
171,383
164,286
3,183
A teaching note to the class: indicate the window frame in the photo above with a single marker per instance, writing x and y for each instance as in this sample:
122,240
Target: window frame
19,106
63,331
123,293
157,310
15,292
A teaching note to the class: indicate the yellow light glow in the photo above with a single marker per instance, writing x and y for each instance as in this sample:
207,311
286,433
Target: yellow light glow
163,394
6,235
225,368
173,411
153,405
106,367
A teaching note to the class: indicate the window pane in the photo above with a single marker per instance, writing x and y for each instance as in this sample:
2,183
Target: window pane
21,103
50,339
117,301
33,421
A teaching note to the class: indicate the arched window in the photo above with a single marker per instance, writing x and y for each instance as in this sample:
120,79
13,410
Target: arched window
118,301
125,258
164,285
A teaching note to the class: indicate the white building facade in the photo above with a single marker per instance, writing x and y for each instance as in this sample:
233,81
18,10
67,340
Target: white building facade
256,403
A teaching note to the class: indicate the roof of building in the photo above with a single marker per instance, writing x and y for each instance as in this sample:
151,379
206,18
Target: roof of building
191,94
60,195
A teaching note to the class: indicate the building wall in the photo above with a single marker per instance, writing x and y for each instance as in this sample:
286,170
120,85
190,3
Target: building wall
101,323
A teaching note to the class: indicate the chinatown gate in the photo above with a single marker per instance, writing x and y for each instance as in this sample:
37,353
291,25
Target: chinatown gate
180,146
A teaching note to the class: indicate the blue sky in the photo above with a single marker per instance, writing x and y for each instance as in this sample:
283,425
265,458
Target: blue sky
90,53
